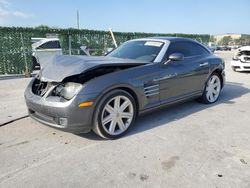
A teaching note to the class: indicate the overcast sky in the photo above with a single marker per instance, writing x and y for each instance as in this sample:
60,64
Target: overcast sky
163,16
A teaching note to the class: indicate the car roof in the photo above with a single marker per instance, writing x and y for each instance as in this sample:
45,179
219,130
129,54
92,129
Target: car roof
42,41
171,39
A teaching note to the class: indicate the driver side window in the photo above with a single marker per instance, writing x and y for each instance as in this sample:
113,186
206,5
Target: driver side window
188,49
178,47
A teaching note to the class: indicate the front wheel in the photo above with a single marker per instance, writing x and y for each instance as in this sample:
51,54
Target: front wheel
212,89
114,114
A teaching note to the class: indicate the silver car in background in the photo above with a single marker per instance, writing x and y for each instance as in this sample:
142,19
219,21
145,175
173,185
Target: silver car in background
44,50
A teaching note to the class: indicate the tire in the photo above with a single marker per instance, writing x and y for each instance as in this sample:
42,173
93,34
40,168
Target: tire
110,123
212,89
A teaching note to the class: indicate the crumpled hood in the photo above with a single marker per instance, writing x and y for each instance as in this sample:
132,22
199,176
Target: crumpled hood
63,66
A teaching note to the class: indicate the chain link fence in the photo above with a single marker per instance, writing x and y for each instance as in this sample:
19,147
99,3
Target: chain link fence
16,50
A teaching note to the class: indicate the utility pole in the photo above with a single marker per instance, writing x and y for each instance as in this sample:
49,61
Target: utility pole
77,19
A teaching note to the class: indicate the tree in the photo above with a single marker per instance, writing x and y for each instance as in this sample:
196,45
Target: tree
225,40
212,39
42,27
244,40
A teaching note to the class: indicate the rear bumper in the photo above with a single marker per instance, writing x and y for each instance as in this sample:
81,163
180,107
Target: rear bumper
239,66
67,116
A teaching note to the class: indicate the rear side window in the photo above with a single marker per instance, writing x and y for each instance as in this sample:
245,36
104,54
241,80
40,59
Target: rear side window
50,45
188,49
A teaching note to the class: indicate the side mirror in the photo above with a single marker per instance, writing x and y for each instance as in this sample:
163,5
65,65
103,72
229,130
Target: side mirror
175,57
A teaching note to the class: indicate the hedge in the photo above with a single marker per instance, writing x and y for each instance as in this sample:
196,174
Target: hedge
16,51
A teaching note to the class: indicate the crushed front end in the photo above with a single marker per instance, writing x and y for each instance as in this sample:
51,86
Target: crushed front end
49,103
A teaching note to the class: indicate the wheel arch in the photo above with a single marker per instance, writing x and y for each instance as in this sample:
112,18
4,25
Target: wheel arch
126,88
123,87
102,97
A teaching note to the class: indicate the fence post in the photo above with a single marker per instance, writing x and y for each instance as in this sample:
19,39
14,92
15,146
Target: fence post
4,65
26,73
69,44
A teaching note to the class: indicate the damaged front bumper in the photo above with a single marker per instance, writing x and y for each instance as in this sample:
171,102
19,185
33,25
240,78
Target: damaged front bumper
67,115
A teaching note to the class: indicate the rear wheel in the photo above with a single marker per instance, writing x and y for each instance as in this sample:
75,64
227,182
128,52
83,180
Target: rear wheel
114,114
212,90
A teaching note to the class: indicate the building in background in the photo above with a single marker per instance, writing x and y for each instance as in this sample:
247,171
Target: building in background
233,37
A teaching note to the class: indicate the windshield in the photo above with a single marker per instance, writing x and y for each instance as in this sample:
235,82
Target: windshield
139,50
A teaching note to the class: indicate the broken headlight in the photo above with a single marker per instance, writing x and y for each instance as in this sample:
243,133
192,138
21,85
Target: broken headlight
68,90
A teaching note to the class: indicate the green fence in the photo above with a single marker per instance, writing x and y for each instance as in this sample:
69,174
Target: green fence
16,51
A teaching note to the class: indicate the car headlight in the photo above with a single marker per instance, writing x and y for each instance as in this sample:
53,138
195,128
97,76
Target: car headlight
69,90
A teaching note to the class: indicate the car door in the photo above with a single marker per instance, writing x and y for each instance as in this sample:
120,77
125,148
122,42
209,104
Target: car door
185,78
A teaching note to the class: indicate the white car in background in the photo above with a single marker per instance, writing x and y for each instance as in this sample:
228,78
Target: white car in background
241,60
44,50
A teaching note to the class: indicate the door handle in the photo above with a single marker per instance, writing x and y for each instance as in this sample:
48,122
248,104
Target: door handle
203,64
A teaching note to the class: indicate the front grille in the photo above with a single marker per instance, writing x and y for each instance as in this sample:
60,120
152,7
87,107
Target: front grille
39,87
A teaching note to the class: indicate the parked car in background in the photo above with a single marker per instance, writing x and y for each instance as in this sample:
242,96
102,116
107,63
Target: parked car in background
106,93
241,60
44,50
212,48
223,48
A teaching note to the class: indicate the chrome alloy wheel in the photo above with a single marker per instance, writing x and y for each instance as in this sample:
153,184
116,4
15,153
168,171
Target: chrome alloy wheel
213,88
117,115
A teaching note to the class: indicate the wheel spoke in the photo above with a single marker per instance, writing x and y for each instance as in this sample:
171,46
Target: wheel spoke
107,120
208,92
109,108
117,103
215,91
124,105
121,125
213,80
126,115
216,84
112,127
211,96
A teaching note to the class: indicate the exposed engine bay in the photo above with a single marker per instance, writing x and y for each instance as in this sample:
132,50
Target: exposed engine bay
97,72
